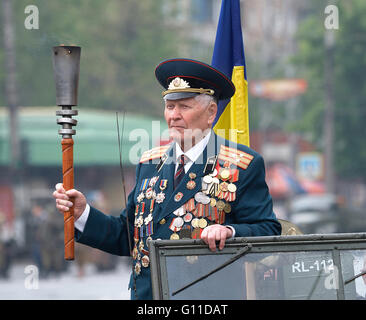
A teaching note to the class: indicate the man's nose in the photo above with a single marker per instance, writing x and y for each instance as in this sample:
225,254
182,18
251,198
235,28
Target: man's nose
175,114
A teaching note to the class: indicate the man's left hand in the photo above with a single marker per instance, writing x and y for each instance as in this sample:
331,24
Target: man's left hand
216,232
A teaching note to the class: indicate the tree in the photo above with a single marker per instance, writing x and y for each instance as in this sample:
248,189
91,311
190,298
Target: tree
122,42
349,83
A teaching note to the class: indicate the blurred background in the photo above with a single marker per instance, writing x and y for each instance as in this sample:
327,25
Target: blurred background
305,69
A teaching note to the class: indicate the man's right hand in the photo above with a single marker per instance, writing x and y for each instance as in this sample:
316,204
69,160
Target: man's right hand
64,203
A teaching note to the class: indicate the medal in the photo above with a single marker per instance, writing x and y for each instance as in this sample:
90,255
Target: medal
224,174
149,193
223,186
185,233
180,211
227,208
134,253
220,205
194,222
137,268
141,245
148,219
188,217
140,197
174,236
139,221
202,223
212,202
178,222
145,261
192,175
231,187
207,179
191,185
160,197
202,198
178,196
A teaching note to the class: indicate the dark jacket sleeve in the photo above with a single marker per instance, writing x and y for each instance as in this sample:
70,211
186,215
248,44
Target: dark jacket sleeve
109,233
252,212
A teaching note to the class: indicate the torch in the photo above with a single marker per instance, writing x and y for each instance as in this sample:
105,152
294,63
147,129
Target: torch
66,66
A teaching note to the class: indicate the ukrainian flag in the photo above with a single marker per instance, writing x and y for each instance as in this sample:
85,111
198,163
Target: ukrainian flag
232,120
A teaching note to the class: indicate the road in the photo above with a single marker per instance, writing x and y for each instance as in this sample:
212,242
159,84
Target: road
24,284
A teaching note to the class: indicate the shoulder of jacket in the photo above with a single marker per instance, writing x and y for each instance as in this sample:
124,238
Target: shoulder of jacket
154,153
236,156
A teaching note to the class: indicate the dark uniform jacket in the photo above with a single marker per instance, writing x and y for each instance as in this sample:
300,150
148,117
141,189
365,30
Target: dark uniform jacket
155,210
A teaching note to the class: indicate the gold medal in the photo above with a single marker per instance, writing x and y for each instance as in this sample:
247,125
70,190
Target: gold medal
224,186
174,236
194,222
220,205
225,174
227,208
202,223
231,187
212,202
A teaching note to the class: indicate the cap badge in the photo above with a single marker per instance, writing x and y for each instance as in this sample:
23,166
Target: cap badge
178,83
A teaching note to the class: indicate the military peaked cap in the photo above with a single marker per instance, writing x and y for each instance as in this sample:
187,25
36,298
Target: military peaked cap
185,78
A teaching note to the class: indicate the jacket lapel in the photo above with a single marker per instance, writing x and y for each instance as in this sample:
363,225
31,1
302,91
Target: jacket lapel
170,204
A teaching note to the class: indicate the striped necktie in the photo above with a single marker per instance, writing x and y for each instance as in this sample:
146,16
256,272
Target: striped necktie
180,170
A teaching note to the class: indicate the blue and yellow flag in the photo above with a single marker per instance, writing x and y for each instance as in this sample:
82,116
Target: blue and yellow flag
232,120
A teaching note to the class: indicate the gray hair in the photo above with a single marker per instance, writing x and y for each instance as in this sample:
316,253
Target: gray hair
205,99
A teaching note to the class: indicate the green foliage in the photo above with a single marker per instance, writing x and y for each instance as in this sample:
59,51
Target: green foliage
122,42
348,79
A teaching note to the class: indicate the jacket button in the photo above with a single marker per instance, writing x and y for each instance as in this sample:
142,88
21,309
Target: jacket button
162,221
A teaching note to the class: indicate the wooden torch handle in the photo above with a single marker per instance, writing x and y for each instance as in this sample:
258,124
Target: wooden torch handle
68,182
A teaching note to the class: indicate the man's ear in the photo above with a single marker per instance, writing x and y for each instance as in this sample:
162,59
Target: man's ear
212,110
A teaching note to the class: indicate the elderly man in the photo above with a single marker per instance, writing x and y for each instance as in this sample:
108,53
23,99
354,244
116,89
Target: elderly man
200,186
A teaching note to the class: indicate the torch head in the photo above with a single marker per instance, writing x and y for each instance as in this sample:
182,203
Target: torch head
66,66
